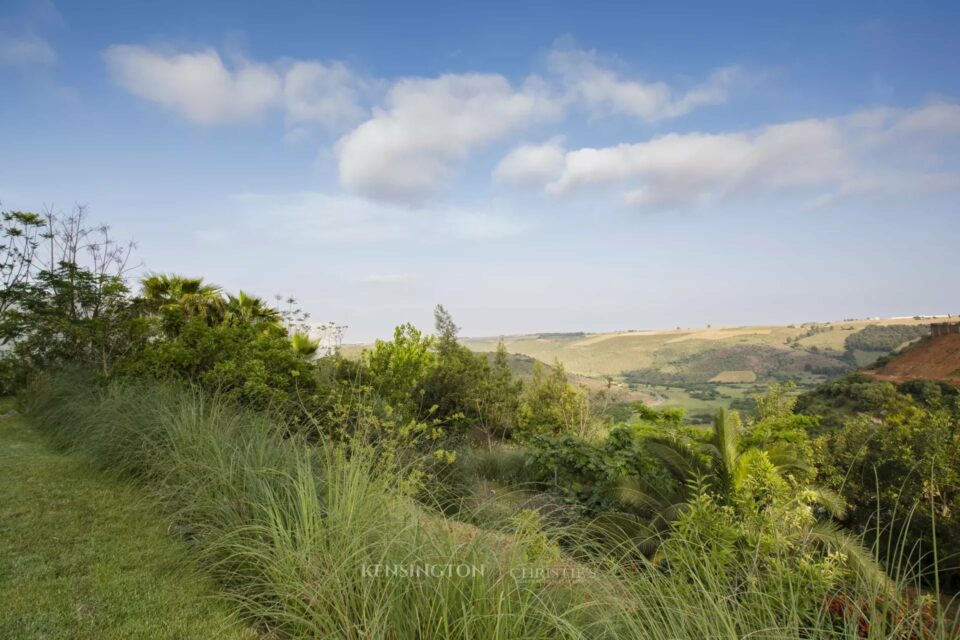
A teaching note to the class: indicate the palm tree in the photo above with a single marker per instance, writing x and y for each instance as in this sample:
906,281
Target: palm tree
720,460
725,466
303,345
194,298
244,309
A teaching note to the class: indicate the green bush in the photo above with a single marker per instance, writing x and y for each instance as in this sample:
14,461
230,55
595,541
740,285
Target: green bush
587,473
902,470
257,367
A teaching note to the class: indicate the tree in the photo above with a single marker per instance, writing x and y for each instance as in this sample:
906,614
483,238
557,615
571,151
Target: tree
757,485
70,305
896,465
399,370
251,310
178,299
551,405
499,396
22,234
303,345
457,380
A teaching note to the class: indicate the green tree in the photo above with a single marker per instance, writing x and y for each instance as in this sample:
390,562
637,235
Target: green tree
551,405
22,235
759,487
499,396
455,386
400,368
899,474
245,309
178,299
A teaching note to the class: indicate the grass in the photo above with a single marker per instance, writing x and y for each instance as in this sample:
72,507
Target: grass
84,556
287,528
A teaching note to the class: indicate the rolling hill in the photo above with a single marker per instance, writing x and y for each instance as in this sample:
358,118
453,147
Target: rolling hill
703,369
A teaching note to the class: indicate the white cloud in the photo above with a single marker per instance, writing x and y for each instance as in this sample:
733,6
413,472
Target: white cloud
26,50
531,164
197,85
826,160
942,118
604,92
410,148
203,89
324,94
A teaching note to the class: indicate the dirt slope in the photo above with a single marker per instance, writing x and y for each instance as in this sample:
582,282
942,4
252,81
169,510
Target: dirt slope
931,359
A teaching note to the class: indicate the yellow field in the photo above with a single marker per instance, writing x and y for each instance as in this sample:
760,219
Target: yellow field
610,354
735,377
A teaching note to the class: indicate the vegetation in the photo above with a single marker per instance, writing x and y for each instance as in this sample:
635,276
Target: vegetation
83,556
885,338
323,493
702,370
891,452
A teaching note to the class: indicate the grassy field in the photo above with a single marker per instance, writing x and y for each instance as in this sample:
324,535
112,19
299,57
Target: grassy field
84,556
683,367
613,353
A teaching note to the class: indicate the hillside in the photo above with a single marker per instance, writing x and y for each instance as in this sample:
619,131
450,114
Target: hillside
682,350
702,369
933,358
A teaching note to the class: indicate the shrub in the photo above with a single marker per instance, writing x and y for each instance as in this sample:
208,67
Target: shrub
254,366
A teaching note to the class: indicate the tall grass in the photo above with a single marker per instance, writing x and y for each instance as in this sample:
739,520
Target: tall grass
298,532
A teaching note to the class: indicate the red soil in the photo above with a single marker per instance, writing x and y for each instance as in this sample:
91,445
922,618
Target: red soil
931,359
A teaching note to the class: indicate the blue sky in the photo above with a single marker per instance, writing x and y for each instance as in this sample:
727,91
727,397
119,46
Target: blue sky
532,166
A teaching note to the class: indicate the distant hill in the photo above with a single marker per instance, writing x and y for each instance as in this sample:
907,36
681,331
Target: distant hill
698,355
703,369
933,358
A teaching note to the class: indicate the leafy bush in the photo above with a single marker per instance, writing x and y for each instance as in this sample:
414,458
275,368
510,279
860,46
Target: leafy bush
256,367
586,473
550,405
835,401
901,469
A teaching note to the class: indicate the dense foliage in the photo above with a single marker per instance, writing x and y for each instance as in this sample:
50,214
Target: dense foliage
892,452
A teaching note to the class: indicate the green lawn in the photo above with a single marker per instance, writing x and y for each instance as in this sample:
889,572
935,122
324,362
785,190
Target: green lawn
84,556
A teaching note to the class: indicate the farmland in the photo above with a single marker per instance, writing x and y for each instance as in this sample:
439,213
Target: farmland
702,369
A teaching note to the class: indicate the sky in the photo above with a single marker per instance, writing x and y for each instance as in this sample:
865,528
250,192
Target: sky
534,167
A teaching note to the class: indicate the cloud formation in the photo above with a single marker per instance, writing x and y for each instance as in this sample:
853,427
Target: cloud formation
200,87
323,94
827,159
531,164
603,92
410,147
196,85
